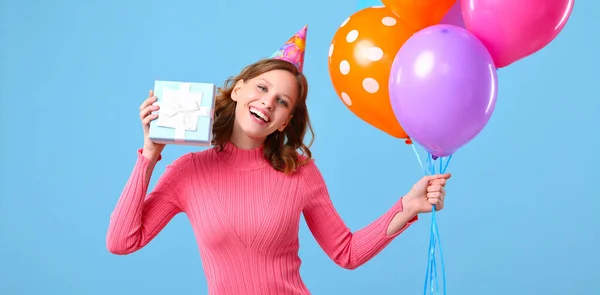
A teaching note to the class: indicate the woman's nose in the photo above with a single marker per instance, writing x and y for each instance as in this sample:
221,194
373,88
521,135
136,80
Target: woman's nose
268,101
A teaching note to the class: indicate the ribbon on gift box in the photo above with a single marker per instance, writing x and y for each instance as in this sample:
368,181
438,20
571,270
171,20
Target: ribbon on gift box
180,109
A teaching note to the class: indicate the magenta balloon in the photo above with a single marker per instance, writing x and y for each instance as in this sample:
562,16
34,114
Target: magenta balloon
454,16
515,29
443,87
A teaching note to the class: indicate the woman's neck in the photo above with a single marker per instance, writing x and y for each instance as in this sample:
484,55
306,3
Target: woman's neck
240,158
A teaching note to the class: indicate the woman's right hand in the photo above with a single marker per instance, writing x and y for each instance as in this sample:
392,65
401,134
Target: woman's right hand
151,149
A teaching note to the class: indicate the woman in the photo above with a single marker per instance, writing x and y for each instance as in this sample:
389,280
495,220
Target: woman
244,197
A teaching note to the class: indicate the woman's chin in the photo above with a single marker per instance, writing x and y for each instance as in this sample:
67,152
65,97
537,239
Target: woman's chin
257,134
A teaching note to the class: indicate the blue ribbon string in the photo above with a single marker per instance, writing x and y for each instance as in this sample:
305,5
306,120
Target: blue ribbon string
431,274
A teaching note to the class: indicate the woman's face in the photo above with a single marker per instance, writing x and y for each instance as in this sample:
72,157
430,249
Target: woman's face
264,103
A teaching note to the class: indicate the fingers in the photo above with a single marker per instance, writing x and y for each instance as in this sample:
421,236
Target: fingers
434,188
150,100
439,181
147,108
435,196
149,116
437,199
440,176
148,111
146,114
435,191
439,194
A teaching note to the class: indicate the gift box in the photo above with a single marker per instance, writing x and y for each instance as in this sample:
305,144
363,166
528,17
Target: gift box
186,113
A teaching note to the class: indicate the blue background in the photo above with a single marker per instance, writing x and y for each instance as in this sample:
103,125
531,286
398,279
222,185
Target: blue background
521,210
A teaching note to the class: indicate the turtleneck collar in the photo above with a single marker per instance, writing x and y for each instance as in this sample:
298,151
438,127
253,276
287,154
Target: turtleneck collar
244,159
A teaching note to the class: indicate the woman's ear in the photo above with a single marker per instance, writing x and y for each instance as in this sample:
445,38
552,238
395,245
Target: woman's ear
238,85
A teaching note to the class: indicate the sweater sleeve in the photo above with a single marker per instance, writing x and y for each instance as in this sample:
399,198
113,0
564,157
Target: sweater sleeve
348,250
137,217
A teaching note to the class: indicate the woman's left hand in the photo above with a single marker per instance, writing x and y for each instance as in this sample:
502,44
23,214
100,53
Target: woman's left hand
428,191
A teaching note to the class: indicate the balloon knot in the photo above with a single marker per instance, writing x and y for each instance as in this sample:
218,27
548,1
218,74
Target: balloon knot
408,141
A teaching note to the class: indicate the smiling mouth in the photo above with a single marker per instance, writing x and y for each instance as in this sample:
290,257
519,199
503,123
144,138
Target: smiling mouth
259,115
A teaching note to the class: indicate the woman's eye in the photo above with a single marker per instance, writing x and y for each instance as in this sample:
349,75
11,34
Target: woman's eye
263,88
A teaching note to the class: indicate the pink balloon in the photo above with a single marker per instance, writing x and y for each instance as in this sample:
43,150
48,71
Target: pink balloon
454,16
514,29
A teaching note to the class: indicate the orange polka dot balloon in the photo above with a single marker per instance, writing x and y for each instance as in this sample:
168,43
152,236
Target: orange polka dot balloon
360,59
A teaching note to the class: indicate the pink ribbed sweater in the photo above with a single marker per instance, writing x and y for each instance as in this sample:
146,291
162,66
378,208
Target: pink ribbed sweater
245,216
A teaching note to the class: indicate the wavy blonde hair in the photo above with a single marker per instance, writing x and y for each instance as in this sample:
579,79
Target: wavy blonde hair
285,150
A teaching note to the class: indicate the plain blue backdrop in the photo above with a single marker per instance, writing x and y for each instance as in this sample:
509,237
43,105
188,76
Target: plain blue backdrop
521,211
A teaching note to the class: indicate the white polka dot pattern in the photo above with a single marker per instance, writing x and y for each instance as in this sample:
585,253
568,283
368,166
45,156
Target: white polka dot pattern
374,54
352,36
346,99
388,21
370,85
345,22
344,67
360,55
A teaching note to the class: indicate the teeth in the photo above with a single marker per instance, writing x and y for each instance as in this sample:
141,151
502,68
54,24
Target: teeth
260,114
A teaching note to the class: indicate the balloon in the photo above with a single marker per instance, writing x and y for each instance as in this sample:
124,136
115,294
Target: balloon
360,58
515,29
368,3
443,88
419,14
454,16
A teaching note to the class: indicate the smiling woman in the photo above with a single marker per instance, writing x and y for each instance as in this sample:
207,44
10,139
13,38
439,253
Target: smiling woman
266,103
244,198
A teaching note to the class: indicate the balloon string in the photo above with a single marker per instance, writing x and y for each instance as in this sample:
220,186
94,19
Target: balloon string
419,159
437,231
446,164
431,274
430,265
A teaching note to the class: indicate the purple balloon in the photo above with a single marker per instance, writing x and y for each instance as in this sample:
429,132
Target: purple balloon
454,16
443,87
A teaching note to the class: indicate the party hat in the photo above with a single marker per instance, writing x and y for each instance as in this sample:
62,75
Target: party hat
293,49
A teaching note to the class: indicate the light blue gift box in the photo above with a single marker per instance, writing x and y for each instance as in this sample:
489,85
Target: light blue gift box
186,113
